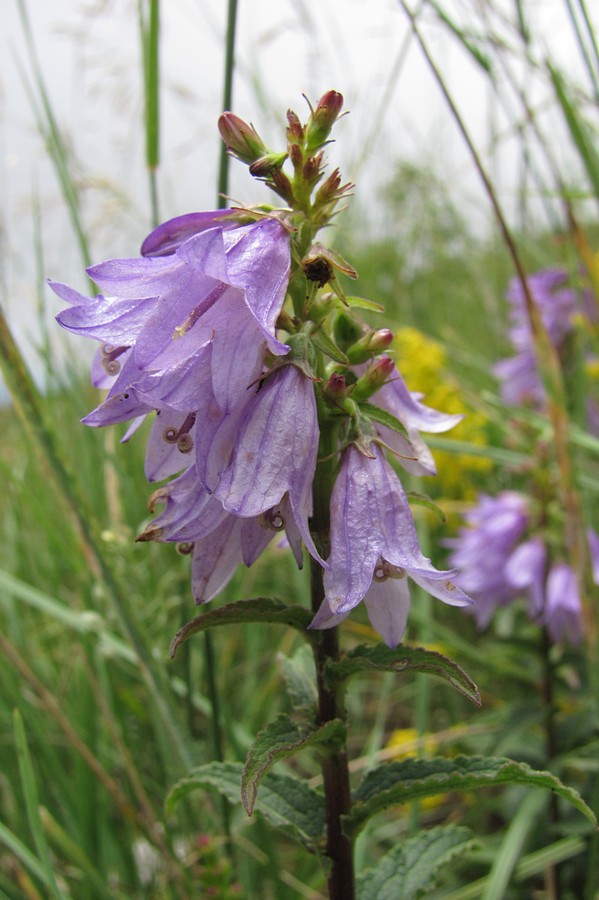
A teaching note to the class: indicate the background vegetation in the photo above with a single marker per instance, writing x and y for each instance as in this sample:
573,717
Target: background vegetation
96,722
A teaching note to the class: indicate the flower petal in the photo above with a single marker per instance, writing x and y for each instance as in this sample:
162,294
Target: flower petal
388,604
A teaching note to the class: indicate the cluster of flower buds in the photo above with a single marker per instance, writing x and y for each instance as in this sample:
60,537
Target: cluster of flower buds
266,387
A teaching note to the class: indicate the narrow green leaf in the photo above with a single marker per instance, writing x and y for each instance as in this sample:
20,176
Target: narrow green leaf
32,805
378,657
299,673
76,856
533,864
412,867
85,621
383,418
283,737
479,57
258,609
579,130
426,501
323,342
286,802
400,782
23,853
363,303
510,849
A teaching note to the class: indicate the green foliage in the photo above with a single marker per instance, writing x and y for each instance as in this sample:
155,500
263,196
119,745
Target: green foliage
258,609
286,802
400,659
280,739
399,782
411,867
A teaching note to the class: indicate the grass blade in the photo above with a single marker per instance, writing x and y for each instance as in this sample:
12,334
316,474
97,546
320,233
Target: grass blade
32,805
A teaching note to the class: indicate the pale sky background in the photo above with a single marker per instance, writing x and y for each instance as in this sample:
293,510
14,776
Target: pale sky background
90,58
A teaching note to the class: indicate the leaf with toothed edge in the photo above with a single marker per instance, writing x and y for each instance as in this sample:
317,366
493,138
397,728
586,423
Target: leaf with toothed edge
367,658
411,868
394,783
258,609
286,802
283,737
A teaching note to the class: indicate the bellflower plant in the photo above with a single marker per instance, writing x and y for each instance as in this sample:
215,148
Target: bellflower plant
196,331
276,410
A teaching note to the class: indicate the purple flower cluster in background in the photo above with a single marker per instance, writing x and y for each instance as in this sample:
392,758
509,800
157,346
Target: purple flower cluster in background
500,561
559,303
189,332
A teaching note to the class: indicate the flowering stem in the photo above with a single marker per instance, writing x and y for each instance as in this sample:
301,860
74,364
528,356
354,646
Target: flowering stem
223,167
334,764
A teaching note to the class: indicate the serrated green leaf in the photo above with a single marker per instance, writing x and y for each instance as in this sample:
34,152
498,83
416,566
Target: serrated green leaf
411,868
323,342
378,657
400,782
283,737
299,673
284,801
363,303
383,418
258,609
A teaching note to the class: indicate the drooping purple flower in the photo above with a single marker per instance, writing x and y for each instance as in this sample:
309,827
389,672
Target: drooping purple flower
217,540
222,286
558,303
499,562
525,571
264,448
483,548
562,615
374,547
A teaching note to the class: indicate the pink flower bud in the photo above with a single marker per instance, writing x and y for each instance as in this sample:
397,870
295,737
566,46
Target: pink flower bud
323,118
373,379
336,388
242,140
369,344
295,130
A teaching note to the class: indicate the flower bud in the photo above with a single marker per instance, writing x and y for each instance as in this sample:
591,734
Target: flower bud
279,182
323,118
368,345
374,378
336,388
295,130
241,139
267,164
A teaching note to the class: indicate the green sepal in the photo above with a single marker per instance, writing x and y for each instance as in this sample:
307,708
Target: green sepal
400,782
258,609
282,738
376,414
428,502
301,355
363,303
286,802
378,657
326,345
410,869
